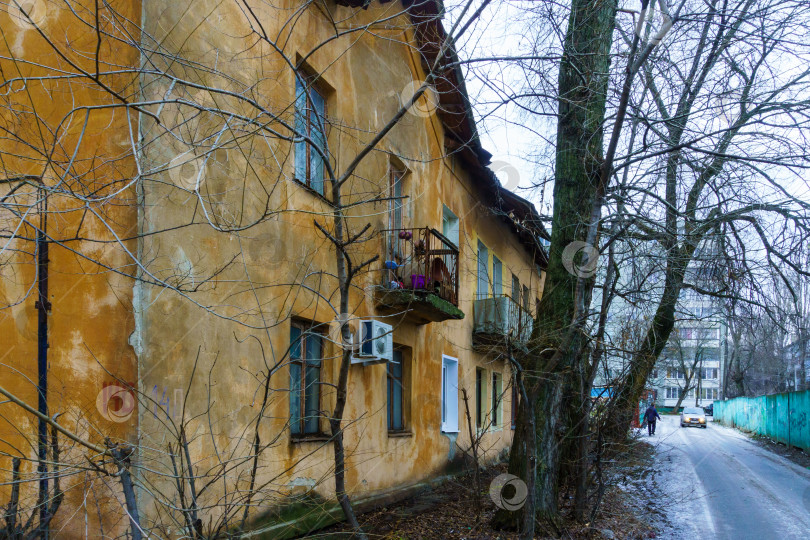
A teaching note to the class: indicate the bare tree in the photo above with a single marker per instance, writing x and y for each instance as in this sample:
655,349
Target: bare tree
584,167
702,166
684,358
722,147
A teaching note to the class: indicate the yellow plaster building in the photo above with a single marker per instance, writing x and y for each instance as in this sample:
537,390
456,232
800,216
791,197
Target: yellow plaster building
192,291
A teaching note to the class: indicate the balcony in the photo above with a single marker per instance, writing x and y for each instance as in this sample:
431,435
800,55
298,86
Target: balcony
420,276
501,322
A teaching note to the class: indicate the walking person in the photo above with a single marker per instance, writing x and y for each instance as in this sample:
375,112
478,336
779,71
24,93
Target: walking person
651,415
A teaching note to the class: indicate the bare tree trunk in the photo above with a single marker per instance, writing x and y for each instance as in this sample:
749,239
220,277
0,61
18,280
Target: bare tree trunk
683,393
12,530
629,391
122,454
344,283
583,83
474,441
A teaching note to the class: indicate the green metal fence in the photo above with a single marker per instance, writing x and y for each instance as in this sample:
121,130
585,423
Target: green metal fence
782,417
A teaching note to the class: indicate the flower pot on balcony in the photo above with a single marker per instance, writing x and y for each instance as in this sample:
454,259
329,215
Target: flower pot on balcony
417,281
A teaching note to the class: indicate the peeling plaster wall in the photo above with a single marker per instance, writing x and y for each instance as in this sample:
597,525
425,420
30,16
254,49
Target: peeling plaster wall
363,78
196,354
90,290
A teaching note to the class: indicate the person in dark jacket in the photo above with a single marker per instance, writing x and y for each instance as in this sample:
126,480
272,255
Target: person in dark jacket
651,415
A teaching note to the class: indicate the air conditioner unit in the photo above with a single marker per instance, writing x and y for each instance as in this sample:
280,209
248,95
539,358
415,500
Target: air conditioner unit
376,343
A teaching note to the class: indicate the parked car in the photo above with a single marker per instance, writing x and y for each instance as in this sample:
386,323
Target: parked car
693,416
709,409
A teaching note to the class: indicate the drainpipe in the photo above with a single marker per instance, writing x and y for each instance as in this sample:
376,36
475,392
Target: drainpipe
43,307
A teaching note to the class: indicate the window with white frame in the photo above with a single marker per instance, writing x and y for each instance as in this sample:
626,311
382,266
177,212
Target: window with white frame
672,392
450,225
706,333
709,373
450,230
449,394
708,393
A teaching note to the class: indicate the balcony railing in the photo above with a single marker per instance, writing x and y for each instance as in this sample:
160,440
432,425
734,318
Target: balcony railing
499,318
421,260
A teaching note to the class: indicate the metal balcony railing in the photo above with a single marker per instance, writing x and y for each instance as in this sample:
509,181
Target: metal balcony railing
502,317
421,259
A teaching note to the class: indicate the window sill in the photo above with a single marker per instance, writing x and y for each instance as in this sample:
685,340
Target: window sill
311,191
310,437
399,434
482,431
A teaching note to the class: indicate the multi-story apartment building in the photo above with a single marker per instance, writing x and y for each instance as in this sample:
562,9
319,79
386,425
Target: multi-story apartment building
692,362
189,302
690,370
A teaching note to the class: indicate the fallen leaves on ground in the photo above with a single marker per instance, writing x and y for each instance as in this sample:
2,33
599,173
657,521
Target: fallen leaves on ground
449,511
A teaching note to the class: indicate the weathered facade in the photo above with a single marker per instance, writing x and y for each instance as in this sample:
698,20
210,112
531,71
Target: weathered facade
188,252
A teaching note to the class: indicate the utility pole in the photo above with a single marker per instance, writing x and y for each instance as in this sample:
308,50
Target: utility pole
43,307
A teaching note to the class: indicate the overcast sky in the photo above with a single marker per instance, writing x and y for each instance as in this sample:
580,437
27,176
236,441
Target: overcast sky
517,142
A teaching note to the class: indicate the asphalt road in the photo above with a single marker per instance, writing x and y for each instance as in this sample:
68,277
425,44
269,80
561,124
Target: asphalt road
717,483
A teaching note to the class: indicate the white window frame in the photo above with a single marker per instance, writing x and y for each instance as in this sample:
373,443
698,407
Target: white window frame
449,394
450,225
